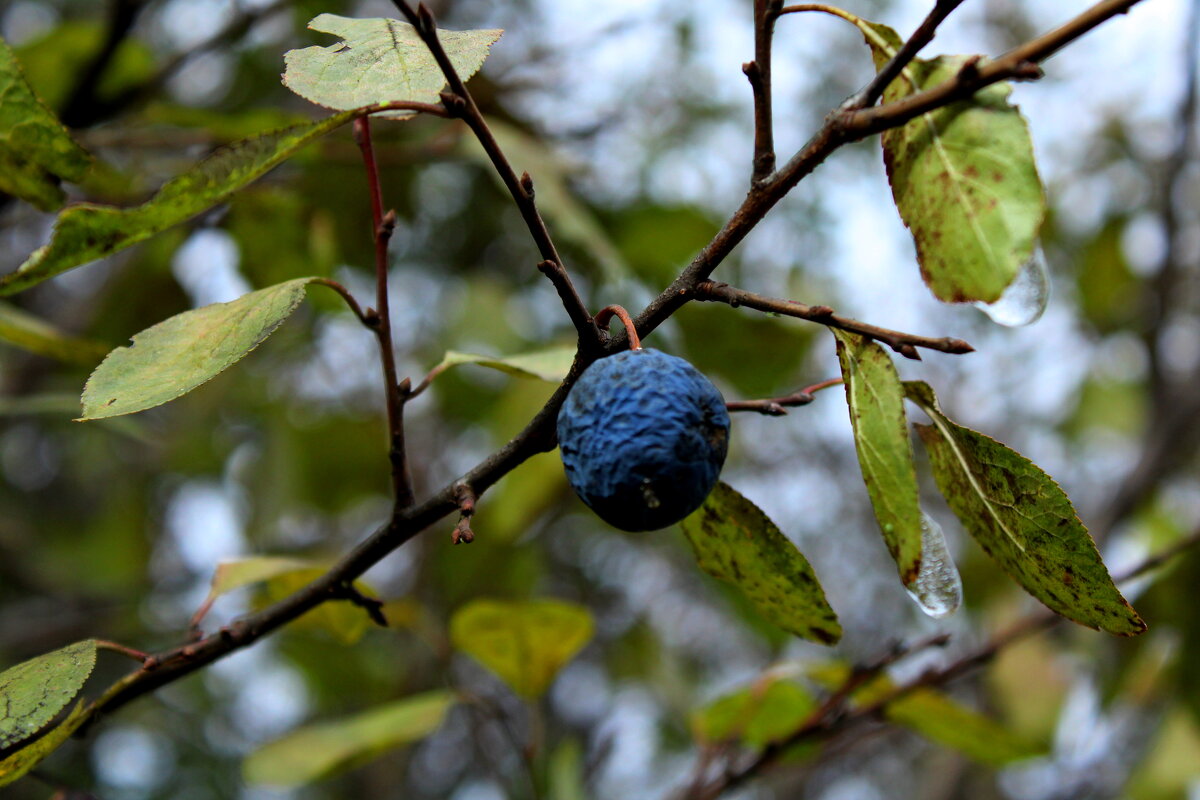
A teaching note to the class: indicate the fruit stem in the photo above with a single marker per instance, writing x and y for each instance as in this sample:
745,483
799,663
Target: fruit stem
608,312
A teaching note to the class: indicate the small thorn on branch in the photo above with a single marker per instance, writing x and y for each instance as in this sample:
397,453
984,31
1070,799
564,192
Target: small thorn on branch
1027,71
455,105
373,606
969,71
387,225
464,495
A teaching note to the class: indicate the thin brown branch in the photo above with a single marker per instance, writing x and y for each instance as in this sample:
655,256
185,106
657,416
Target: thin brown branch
128,652
349,298
460,103
778,406
384,224
905,344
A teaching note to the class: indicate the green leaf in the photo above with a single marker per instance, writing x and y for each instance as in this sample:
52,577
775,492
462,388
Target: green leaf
319,751
735,541
341,619
764,713
937,717
876,401
34,692
35,148
22,761
175,356
551,365
231,575
34,334
379,60
963,178
940,719
525,643
283,576
86,232
1023,520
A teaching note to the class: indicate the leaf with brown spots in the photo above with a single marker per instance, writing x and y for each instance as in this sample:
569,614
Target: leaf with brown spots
964,179
736,542
876,402
170,359
1023,520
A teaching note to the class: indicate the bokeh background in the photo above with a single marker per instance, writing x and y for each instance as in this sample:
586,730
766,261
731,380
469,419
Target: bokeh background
635,120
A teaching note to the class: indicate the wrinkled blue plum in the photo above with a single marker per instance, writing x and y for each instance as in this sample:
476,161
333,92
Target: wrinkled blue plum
643,437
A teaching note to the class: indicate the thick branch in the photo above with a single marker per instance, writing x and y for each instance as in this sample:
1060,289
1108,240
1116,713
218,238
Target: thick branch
905,344
460,103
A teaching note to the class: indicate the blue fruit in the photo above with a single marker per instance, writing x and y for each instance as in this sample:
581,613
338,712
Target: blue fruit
643,437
